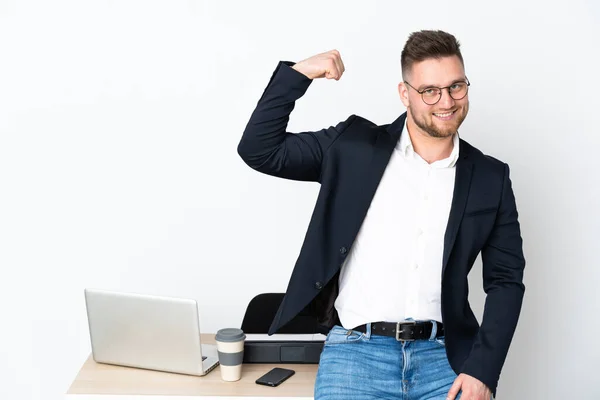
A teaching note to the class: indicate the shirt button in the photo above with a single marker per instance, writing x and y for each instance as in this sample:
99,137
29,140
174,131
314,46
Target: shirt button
416,266
343,250
318,285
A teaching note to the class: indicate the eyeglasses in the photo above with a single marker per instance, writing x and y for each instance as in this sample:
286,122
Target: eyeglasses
431,95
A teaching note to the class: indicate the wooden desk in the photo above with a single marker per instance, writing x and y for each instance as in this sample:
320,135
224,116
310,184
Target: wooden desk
100,381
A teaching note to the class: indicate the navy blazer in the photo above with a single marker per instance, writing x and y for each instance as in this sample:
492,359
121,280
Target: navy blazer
348,160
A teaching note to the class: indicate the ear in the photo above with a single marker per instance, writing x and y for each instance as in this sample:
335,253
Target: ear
403,91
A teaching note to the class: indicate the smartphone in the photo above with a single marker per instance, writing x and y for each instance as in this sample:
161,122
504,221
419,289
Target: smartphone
275,376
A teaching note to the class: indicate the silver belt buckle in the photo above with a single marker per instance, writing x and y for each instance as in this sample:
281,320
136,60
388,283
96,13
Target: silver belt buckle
398,331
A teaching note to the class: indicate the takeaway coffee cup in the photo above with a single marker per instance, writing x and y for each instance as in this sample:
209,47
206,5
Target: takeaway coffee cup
230,346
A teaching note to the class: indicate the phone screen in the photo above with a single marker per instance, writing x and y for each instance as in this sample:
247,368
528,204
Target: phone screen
275,376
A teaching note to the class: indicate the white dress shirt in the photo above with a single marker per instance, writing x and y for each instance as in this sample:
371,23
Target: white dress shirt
394,268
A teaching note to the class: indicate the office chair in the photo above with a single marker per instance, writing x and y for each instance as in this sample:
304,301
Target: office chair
262,309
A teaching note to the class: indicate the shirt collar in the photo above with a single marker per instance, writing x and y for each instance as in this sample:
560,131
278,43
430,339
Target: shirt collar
406,148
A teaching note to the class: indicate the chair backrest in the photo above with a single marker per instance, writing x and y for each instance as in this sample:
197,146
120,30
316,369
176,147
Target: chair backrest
262,310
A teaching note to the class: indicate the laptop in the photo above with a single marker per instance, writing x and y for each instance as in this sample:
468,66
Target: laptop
149,332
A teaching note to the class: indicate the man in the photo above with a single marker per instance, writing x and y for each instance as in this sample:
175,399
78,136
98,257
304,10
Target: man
403,211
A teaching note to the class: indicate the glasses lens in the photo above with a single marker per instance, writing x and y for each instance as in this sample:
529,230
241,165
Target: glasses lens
431,95
458,90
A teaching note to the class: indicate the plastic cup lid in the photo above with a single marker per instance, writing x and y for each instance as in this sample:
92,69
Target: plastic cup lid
230,335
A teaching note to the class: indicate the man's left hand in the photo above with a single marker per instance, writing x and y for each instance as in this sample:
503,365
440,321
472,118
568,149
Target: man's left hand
472,389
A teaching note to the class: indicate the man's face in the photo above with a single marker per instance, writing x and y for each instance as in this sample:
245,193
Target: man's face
432,119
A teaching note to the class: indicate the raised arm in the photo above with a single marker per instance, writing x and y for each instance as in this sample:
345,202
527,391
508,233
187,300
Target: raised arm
266,145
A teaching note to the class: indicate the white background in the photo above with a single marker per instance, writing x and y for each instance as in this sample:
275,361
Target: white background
119,122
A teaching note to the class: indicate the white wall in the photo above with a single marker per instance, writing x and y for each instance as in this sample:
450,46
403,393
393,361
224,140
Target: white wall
119,122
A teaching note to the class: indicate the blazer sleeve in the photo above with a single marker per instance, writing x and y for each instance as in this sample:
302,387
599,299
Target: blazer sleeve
503,265
267,147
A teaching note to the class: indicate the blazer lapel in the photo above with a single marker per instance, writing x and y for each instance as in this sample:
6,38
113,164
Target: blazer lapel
462,183
367,184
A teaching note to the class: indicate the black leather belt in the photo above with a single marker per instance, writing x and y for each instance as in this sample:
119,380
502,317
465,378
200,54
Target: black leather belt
404,331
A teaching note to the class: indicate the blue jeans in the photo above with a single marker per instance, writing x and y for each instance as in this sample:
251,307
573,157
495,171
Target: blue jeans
356,365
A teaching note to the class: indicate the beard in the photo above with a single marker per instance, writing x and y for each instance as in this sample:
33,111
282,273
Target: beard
444,129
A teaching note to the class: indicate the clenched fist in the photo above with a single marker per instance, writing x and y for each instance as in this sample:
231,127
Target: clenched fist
328,65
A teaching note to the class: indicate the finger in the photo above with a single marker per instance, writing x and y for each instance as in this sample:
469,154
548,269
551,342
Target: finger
331,74
333,69
454,389
332,66
338,63
343,66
